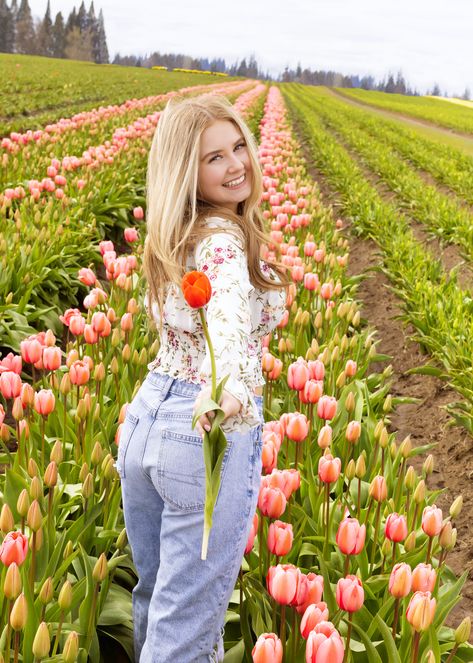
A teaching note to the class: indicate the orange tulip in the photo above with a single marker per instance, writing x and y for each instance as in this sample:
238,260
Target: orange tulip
196,289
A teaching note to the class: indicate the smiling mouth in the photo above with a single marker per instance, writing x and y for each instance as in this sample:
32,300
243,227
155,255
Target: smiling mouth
236,182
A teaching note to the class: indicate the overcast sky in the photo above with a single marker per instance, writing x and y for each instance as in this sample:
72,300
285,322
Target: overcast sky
429,40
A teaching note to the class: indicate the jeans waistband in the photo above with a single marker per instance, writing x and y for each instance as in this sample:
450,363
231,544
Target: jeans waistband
182,387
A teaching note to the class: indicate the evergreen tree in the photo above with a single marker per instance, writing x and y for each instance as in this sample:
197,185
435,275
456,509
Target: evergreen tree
71,21
101,55
45,35
390,85
436,90
466,95
25,38
7,28
59,37
82,18
78,45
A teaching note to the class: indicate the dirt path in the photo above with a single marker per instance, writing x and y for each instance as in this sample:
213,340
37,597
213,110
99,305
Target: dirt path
426,421
443,135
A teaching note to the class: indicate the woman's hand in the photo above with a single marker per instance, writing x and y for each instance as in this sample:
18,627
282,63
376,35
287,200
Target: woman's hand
229,404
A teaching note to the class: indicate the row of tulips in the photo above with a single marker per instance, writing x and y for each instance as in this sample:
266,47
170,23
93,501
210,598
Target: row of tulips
45,242
346,560
433,302
441,213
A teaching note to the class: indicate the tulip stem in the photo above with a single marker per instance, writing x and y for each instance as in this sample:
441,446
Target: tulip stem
211,351
282,634
347,648
396,617
327,516
240,575
347,565
17,646
415,647
294,629
260,541
452,654
375,537
429,549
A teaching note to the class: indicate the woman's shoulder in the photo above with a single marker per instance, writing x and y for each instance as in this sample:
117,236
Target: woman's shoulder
232,231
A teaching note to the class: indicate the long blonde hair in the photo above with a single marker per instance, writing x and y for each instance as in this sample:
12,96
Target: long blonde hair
175,215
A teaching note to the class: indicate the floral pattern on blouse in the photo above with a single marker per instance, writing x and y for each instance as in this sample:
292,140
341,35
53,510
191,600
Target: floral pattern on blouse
238,315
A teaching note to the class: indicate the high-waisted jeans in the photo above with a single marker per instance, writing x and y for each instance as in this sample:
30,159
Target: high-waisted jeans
180,601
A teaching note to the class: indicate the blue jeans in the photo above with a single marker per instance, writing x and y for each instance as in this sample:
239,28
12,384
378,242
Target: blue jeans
180,601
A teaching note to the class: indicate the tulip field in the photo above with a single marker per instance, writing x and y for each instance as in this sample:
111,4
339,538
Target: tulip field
348,560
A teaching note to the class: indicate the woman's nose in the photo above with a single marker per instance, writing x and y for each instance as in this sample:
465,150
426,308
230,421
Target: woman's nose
235,163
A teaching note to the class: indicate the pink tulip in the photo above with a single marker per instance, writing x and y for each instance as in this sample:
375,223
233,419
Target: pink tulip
311,281
297,428
68,315
87,276
316,369
350,595
400,580
44,402
329,468
14,548
350,536
432,520
138,213
326,290
326,407
424,578
10,384
130,234
76,325
324,439
281,581
268,649
324,645
297,374
313,615
350,368
31,350
271,502
11,362
315,588
312,391
251,537
396,527
309,248
79,372
353,431
378,488
51,358
280,538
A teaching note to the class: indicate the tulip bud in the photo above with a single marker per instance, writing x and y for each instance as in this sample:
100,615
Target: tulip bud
360,467
122,539
116,337
42,641
386,548
350,470
36,488
388,404
81,411
71,648
410,542
56,452
50,475
428,466
12,585
33,470
34,517
7,522
97,454
37,543
377,430
109,469
17,409
448,536
68,549
405,447
65,596
100,569
341,380
462,632
65,385
47,591
456,507
23,503
88,487
383,437
84,471
126,352
19,613
393,449
419,493
114,367
410,478
350,402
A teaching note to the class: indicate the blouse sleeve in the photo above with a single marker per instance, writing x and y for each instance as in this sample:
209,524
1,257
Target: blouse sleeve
221,256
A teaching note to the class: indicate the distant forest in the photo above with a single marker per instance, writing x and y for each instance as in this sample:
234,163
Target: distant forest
81,36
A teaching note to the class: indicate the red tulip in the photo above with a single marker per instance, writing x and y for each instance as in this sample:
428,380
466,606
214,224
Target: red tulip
14,548
351,536
350,595
396,527
196,288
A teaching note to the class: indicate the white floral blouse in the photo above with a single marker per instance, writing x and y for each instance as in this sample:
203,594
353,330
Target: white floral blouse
238,315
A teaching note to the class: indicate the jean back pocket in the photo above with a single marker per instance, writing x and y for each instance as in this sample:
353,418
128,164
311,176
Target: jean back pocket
181,470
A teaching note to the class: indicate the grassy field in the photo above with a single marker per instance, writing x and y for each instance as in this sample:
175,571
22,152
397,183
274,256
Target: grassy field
36,90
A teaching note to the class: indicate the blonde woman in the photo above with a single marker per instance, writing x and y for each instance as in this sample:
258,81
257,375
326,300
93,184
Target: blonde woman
204,188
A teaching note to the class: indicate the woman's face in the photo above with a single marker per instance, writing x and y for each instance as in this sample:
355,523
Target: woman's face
225,173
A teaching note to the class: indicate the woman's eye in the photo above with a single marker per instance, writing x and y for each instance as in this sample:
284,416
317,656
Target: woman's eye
217,155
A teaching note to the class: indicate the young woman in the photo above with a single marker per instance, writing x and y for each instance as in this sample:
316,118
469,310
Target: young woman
204,188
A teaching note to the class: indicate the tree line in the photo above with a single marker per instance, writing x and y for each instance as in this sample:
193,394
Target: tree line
80,37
